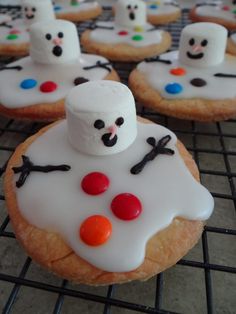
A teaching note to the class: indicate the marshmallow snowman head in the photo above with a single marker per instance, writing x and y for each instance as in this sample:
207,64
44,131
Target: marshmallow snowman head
54,42
37,11
130,13
104,123
202,44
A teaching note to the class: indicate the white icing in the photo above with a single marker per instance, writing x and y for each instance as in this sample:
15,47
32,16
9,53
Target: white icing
62,35
113,100
36,11
12,96
62,7
4,18
206,39
109,36
158,76
130,13
21,29
161,7
233,37
55,201
218,11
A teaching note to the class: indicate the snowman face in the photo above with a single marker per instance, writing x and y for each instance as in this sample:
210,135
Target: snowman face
36,11
54,42
202,44
103,124
130,13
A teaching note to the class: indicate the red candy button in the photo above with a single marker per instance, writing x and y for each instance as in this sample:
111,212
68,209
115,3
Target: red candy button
95,230
178,71
14,31
48,87
126,206
226,8
95,183
123,33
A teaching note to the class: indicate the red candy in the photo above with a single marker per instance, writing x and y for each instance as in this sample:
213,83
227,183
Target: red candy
95,230
14,31
126,206
178,71
123,33
48,87
226,8
95,183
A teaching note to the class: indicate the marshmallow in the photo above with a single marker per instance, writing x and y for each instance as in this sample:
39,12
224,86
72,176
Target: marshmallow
202,44
130,13
54,42
101,117
37,11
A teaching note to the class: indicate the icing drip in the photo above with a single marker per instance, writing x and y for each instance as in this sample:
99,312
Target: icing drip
158,149
28,167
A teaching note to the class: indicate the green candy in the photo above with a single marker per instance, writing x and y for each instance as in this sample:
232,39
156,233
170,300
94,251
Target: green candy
12,36
137,37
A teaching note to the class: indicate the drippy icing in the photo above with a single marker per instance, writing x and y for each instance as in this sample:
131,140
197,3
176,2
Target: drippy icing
218,11
18,28
62,7
13,96
111,36
158,76
161,7
158,187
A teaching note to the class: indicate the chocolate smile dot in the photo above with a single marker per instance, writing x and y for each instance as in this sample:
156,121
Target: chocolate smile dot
57,51
198,82
109,142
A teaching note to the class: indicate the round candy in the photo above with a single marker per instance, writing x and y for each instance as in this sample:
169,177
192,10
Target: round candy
138,29
178,71
226,8
95,183
234,11
14,31
95,230
137,37
123,33
48,87
153,6
57,8
198,82
12,36
28,84
126,206
173,88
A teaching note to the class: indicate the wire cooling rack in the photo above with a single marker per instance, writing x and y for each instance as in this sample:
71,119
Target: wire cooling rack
204,281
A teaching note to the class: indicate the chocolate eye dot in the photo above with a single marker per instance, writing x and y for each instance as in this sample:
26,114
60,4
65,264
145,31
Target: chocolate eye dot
26,9
135,7
34,9
191,42
129,7
119,121
60,35
204,43
99,124
48,36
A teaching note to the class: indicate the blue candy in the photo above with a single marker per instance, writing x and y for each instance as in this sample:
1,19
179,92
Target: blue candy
153,6
173,88
28,84
57,8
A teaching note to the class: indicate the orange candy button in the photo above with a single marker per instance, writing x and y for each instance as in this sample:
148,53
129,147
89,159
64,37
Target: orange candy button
95,230
178,71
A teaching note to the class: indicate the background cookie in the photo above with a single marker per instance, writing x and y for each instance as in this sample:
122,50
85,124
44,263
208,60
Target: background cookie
231,43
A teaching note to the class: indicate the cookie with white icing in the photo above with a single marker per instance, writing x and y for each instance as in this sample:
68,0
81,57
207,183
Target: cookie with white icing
14,35
111,207
221,12
162,11
129,37
231,43
76,10
35,87
197,82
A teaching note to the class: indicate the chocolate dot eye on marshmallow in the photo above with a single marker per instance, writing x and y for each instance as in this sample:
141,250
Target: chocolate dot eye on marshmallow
114,230
129,37
14,36
35,87
197,82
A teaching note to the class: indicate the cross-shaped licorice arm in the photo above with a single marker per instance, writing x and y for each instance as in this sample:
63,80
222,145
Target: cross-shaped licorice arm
27,167
158,149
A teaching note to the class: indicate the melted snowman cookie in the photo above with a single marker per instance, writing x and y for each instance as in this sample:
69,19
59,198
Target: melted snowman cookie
162,11
55,65
76,10
221,12
129,37
115,195
14,35
198,82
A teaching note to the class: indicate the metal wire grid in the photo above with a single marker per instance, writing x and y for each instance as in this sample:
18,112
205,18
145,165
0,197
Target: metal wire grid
182,129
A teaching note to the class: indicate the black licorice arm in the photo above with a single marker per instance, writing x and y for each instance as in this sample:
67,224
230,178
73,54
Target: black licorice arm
28,167
17,68
225,75
99,64
158,149
157,59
